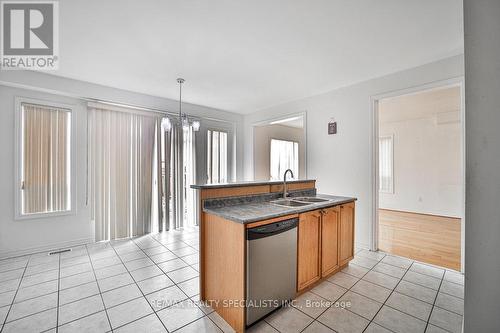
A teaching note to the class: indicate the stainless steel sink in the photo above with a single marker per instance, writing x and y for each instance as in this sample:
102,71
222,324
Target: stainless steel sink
290,203
310,199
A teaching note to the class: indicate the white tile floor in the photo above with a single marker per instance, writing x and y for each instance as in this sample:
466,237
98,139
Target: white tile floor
151,284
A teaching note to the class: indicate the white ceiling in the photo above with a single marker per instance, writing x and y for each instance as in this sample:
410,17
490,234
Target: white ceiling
247,55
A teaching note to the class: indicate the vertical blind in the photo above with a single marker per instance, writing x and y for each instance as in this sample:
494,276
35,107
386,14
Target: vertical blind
140,173
178,165
216,157
386,181
46,172
121,149
189,163
284,155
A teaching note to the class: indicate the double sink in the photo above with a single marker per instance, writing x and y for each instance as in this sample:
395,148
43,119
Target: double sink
298,202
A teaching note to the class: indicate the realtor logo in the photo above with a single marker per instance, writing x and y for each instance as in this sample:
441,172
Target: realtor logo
29,33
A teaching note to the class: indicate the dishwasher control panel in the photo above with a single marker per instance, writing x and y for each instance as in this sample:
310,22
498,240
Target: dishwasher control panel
271,228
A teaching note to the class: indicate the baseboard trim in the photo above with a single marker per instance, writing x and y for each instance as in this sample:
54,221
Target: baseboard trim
418,213
46,248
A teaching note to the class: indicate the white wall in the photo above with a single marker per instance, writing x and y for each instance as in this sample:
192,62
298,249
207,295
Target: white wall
262,144
482,227
341,163
427,152
18,237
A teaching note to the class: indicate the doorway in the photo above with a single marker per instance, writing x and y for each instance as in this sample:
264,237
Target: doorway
280,144
420,175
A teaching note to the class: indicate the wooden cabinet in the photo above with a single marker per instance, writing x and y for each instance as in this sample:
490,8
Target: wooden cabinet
329,240
309,249
325,243
346,233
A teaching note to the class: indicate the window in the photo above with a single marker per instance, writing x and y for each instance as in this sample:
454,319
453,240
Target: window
44,170
284,155
216,157
386,173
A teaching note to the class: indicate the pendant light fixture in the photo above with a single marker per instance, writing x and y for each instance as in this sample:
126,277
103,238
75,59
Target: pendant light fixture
183,117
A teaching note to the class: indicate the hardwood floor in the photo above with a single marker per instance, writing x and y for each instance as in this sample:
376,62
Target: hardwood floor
426,238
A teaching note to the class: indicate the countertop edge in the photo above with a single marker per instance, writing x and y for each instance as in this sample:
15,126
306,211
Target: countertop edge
290,211
249,183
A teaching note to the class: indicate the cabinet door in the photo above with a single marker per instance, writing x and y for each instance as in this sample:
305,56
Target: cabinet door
309,249
329,240
346,232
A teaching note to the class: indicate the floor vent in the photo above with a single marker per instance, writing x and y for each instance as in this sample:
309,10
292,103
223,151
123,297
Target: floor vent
59,251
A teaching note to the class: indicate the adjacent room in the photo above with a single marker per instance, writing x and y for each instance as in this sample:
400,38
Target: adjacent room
421,191
236,166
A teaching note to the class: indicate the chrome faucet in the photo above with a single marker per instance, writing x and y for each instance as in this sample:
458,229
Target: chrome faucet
285,192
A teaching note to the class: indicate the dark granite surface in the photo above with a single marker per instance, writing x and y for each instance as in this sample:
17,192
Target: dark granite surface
253,199
258,208
249,183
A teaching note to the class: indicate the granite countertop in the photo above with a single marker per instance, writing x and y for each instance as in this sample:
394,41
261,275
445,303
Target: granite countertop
258,211
250,183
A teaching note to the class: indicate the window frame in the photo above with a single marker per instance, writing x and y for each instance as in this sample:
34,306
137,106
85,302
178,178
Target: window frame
18,140
391,189
297,172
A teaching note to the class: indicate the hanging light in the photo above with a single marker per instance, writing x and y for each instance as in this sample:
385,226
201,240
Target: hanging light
196,125
183,117
166,125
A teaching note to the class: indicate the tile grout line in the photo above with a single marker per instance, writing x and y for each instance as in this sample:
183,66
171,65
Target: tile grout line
175,284
15,294
92,269
155,264
437,291
99,289
143,250
140,290
383,303
347,290
58,289
417,284
434,305
188,265
392,291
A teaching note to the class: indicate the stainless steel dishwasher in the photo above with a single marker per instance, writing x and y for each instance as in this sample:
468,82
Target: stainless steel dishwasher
271,267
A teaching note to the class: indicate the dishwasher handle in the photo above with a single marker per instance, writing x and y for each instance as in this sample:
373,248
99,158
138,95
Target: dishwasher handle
271,229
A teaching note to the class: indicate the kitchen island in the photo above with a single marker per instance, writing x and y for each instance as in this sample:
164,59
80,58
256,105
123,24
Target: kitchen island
324,239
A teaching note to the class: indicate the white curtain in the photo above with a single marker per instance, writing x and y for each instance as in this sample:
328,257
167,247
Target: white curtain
284,155
121,146
46,159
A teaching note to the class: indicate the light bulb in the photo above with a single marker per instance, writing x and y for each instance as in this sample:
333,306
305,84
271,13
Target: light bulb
185,123
166,124
196,125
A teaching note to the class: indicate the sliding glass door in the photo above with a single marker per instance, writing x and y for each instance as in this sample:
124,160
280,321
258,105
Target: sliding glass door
151,163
